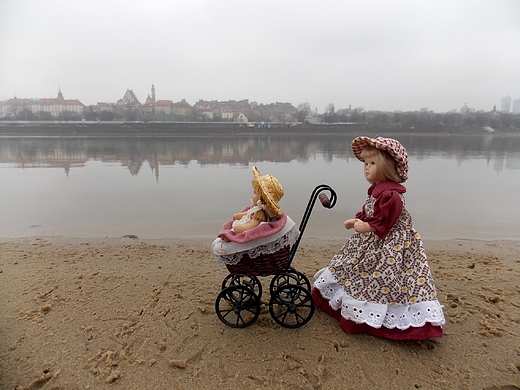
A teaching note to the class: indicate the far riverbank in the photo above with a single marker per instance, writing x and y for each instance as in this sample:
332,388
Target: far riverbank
103,129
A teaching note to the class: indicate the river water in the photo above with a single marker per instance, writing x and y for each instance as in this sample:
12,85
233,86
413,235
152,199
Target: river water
459,186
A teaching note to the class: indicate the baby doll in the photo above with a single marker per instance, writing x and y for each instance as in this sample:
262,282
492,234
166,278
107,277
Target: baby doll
267,192
265,207
380,282
260,228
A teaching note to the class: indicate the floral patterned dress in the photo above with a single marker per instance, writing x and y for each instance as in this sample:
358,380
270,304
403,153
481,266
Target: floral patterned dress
380,282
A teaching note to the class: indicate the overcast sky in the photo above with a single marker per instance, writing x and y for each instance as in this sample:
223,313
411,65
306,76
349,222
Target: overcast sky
379,55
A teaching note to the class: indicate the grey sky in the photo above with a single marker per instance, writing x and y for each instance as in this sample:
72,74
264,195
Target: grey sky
379,55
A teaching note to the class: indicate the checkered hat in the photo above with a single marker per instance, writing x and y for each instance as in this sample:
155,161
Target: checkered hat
396,150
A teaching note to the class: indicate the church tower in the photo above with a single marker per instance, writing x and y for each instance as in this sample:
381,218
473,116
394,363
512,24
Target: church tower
153,94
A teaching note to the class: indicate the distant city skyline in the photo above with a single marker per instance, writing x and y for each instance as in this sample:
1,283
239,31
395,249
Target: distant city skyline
507,103
499,104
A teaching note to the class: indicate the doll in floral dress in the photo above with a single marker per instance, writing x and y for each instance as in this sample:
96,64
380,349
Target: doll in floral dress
380,282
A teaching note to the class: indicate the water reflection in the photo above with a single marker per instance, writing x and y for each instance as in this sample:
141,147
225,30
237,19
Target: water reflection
135,152
459,186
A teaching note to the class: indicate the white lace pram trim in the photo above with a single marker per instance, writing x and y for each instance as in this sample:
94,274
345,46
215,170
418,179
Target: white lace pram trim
287,236
377,314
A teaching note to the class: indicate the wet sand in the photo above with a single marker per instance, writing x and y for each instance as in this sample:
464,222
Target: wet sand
128,313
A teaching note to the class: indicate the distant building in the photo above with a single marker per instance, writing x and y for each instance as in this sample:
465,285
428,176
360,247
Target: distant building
129,99
151,99
206,112
277,112
182,108
516,106
100,107
227,113
130,108
505,105
225,110
51,108
164,106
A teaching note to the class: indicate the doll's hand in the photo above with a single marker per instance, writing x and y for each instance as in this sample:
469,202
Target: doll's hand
349,223
362,227
238,216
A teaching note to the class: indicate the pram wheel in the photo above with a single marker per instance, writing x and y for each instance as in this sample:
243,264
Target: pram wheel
291,306
251,282
237,306
290,276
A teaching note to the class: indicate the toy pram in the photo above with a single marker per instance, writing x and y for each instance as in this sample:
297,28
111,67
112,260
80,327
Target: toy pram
291,304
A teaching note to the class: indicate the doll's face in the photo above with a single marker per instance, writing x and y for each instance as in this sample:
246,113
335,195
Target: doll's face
255,197
371,173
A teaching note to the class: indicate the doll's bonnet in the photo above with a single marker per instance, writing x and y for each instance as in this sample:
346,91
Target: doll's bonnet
271,191
396,150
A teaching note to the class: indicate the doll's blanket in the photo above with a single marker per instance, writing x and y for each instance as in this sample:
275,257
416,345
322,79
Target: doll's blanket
265,229
268,237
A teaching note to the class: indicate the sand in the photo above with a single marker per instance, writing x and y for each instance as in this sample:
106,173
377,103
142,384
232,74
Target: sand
126,313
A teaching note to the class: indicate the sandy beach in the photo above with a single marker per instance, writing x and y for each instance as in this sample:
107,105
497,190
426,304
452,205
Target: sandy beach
126,313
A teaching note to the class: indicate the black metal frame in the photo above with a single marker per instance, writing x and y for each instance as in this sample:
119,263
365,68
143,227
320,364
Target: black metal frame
328,202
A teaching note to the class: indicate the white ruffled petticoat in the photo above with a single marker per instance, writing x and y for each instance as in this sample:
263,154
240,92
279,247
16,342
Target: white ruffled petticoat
377,315
230,253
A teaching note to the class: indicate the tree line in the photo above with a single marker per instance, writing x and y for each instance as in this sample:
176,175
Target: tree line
424,117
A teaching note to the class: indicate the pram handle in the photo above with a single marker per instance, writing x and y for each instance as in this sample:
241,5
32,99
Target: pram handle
327,201
324,199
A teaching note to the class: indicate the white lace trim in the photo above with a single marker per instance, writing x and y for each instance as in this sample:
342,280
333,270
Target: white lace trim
278,243
377,314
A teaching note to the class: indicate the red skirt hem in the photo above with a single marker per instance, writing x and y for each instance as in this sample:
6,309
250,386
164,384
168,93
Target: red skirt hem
427,331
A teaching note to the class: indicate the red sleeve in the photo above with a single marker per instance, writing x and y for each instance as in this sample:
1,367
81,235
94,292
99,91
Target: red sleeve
387,209
361,214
